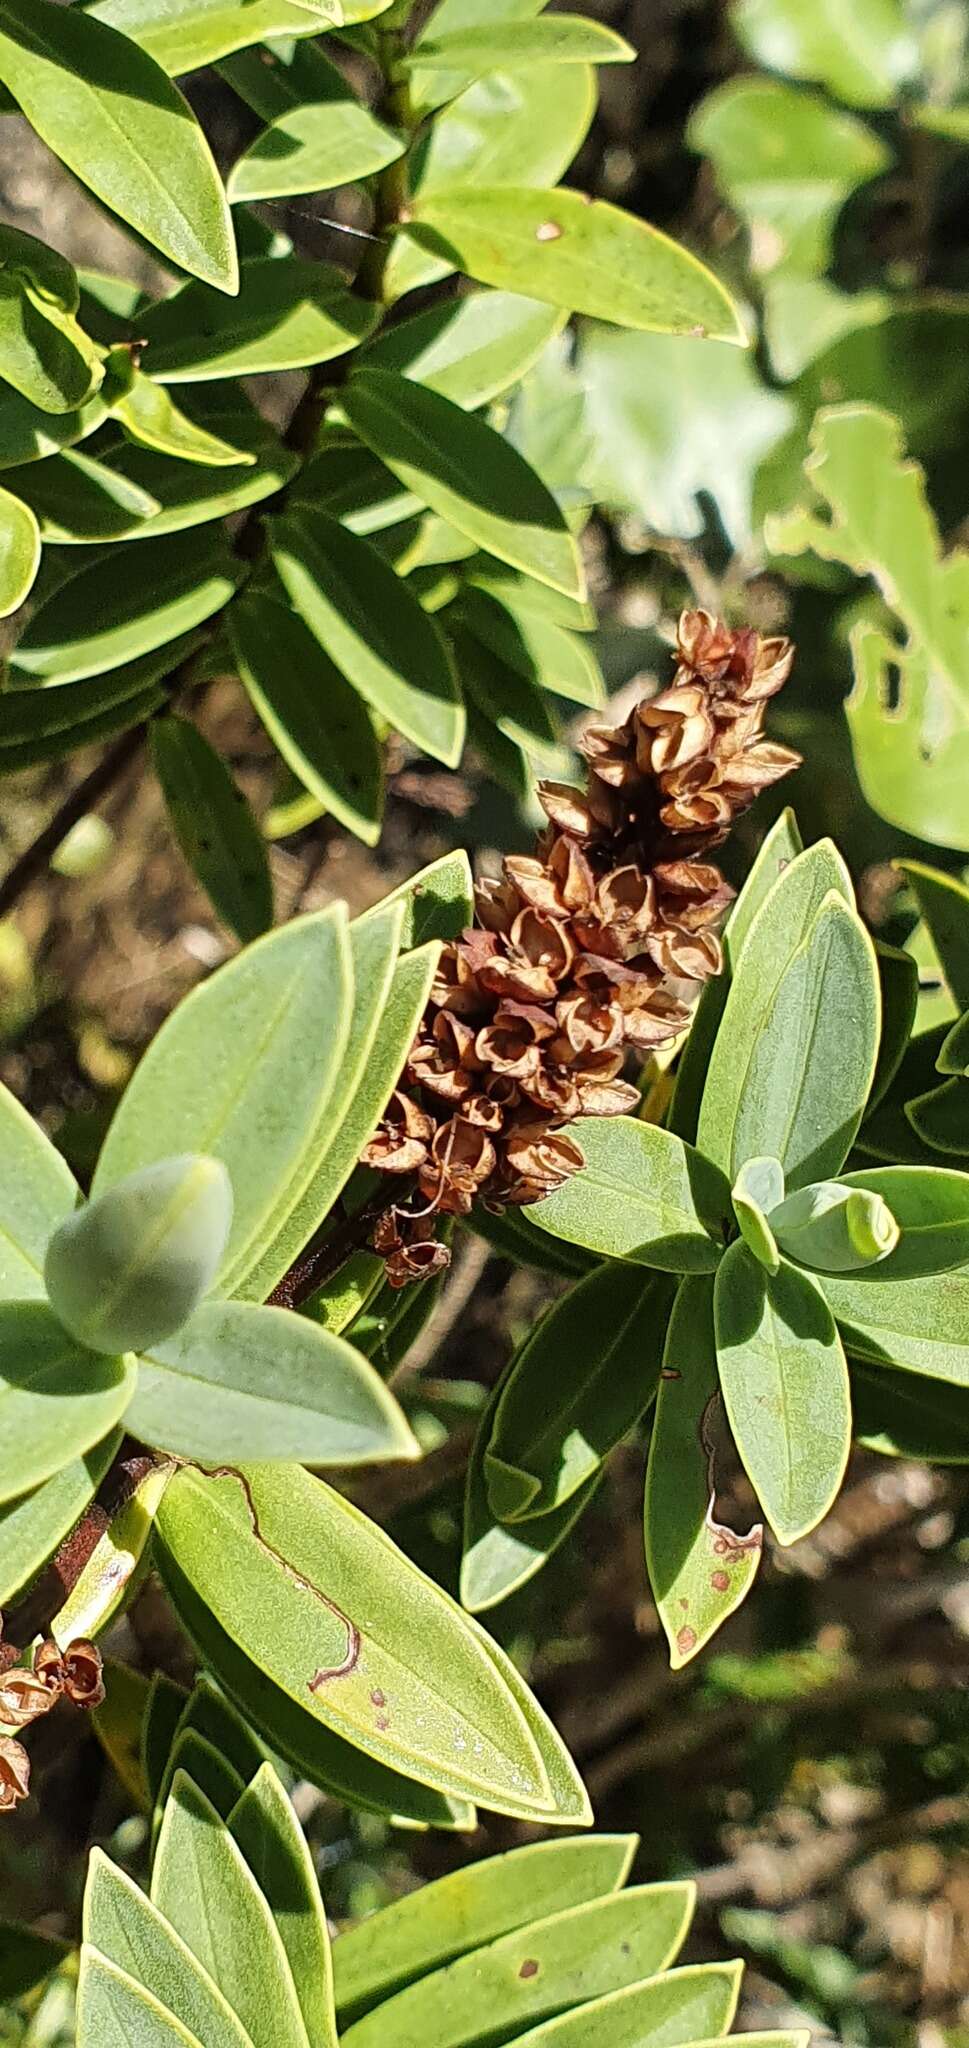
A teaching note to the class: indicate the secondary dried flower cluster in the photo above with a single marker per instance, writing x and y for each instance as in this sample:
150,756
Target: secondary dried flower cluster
596,945
26,1692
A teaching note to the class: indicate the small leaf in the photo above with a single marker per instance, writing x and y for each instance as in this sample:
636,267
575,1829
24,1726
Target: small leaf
191,493
428,1927
116,1566
78,499
438,902
288,314
37,1191
44,354
940,1118
785,1387
185,35
372,628
149,414
118,1722
243,1382
32,1526
643,1195
266,1829
862,59
313,715
111,115
757,1190
498,1558
919,1326
208,1769
569,250
898,978
903,1415
509,45
19,552
214,826
96,620
699,1569
127,1929
514,705
43,725
113,2010
931,1206
834,1228
469,349
466,472
131,1265
57,1400
315,147
944,904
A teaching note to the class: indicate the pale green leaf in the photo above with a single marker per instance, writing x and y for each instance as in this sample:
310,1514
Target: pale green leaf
920,1326
96,620
314,146
506,46
863,55
124,1927
44,354
57,1399
681,2006
37,1191
289,314
643,1195
930,1204
150,415
185,35
437,902
114,2012
272,1842
537,648
470,348
500,1557
32,1526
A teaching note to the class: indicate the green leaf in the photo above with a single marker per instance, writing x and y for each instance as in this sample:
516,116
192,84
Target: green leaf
905,1416
569,1798
113,2011
37,1191
429,1927
372,628
205,1890
643,1195
57,1399
578,1953
111,115
673,421
898,977
313,715
95,620
32,1526
787,161
130,1265
954,1051
757,1190
438,902
509,701
149,414
289,314
499,1557
19,552
469,349
944,904
188,493
863,58
577,1385
805,317
785,1388
537,648
207,1713
164,1709
41,725
908,713
931,1206
831,1228
78,499
314,1751
470,475
508,45
699,1569
44,354
512,1235
248,1060
129,1931
265,1827
214,826
940,1118
917,1325
185,35
314,147
283,1537
208,1769
454,17
27,434
662,2012
569,250
244,1382
118,1722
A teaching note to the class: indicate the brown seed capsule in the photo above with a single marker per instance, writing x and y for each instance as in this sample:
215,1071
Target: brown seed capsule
14,1773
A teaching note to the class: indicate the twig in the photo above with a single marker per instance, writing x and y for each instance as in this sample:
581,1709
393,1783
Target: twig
324,1256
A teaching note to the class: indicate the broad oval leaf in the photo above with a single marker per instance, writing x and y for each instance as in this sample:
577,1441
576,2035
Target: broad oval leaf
56,1399
96,620
327,1606
863,57
469,349
288,314
123,1925
266,1829
37,1192
454,1914
241,1382
32,1526
214,826
372,628
785,1387
19,552
112,116
185,35
470,475
245,1065
643,1195
112,2009
699,1569
314,716
573,251
917,1325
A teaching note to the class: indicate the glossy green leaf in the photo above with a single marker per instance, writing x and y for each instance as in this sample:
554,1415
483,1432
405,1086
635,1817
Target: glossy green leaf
345,1772
469,349
113,2011
470,475
909,710
506,46
903,1415
579,1954
898,978
27,434
509,700
372,628
288,314
19,552
787,161
578,1384
672,420
333,140
572,251
662,2012
109,112
785,1388
643,1195
455,17
919,1326
57,1399
944,904
265,1827
863,57
940,1118
331,1627
42,725
127,1929
244,1382
190,493
431,1926
314,716
700,1570
78,499
757,1190
185,35
204,1888
214,826
537,648
150,415
247,1062
130,1265
44,354
32,1525
96,620
954,1052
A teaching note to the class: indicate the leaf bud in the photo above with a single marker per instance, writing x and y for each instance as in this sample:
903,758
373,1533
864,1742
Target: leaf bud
835,1229
128,1269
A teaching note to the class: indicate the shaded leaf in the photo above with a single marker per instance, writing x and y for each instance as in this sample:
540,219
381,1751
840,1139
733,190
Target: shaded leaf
903,1415
470,348
508,700
314,146
78,499
642,1195
57,1399
42,725
214,826
32,1525
537,647
149,414
944,903
19,552
44,354
288,314
37,1191
95,620
265,1827
437,902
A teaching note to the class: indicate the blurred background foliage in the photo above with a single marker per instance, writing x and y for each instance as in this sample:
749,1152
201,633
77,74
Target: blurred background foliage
812,1769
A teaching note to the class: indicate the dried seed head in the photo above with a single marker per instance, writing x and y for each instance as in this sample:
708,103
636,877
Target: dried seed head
14,1773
